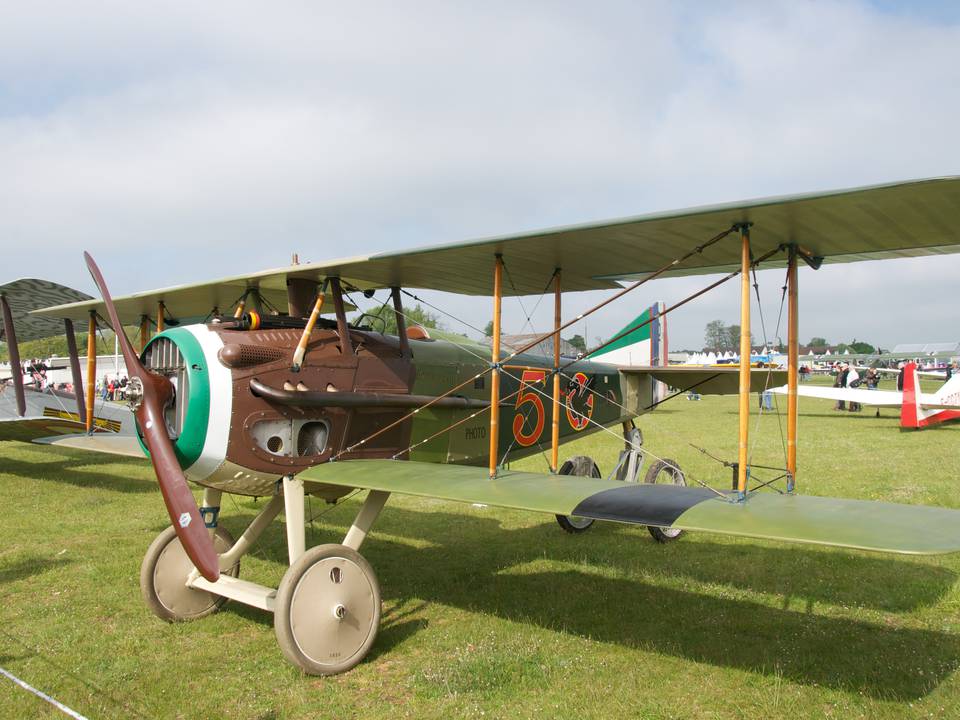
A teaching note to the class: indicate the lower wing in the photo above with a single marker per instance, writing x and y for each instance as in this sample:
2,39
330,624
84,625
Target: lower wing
860,524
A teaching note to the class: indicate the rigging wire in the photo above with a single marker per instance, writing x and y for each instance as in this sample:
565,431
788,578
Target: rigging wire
562,374
769,374
615,296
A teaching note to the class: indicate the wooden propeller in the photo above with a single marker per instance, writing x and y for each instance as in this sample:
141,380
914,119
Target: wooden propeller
155,392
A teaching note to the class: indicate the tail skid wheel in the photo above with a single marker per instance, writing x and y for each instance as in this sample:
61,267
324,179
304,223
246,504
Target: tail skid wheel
164,573
577,465
667,472
327,610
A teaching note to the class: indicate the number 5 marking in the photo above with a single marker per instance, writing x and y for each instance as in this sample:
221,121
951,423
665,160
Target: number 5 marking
519,420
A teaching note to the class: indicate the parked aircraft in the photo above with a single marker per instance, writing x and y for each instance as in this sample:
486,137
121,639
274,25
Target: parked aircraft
917,409
264,402
29,412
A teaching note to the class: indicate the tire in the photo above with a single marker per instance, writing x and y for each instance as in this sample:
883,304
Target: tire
163,577
665,471
585,467
327,610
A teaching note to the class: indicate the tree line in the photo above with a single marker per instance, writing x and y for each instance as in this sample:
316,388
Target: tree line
720,336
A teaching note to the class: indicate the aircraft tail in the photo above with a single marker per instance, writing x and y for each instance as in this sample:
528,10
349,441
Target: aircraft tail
646,345
913,414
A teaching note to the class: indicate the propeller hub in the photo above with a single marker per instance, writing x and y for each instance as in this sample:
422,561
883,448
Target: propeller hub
134,393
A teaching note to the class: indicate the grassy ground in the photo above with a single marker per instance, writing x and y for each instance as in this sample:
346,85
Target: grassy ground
492,613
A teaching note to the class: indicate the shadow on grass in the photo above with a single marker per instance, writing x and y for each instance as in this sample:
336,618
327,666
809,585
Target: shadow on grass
799,575
65,470
478,566
850,655
28,567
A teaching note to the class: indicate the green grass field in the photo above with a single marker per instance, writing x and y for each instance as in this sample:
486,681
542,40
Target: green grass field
493,613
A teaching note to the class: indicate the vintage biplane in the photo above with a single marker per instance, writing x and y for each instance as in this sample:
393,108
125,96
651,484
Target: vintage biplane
29,412
254,392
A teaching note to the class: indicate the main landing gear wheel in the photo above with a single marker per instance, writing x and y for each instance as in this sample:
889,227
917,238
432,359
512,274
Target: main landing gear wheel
328,610
164,573
667,472
586,467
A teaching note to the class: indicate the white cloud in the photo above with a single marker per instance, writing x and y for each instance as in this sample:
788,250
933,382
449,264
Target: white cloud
180,142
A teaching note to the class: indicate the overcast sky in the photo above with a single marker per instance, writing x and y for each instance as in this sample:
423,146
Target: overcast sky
181,142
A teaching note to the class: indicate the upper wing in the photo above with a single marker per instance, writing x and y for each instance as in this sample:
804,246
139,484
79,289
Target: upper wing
884,221
27,294
881,398
711,380
908,529
186,302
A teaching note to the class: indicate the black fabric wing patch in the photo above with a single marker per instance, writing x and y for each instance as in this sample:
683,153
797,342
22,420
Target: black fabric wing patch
642,503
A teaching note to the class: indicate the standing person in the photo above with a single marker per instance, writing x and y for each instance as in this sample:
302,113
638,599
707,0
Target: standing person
902,367
853,381
841,382
872,379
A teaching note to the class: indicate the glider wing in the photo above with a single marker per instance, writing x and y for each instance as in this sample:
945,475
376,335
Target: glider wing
880,398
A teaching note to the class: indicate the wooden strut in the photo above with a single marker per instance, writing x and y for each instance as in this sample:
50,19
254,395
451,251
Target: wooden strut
495,365
161,308
75,369
16,369
793,369
308,330
744,413
241,306
91,367
555,425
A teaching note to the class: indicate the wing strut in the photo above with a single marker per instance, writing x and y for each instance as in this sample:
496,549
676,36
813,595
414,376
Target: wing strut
401,322
16,369
495,365
144,332
343,330
555,427
744,358
308,329
91,367
793,354
75,368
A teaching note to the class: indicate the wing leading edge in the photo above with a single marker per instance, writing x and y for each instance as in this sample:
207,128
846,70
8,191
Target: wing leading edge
904,219
857,524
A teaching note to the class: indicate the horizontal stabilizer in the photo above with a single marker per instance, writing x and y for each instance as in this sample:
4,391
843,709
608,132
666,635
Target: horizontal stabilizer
711,380
860,524
107,444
